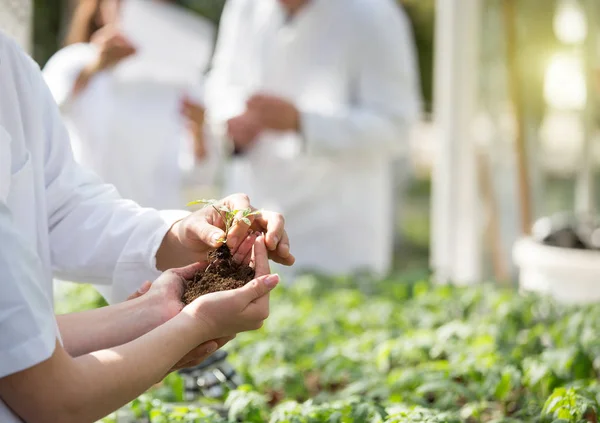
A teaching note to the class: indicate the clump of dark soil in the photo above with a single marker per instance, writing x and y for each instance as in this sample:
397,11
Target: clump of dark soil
222,274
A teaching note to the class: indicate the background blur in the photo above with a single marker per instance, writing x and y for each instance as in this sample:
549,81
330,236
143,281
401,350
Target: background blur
507,148
550,56
51,18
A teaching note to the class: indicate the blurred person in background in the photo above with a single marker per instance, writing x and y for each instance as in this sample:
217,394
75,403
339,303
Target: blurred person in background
316,98
112,124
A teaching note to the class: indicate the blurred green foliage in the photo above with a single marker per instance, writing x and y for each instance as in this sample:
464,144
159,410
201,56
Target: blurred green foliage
422,16
357,350
47,25
73,297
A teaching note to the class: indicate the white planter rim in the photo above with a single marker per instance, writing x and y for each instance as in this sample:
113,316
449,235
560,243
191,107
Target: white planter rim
528,253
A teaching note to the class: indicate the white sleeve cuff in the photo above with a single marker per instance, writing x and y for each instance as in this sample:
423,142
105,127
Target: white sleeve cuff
27,354
138,264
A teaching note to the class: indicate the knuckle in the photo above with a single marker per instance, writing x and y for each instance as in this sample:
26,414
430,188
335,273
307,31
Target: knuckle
188,231
242,197
281,219
170,273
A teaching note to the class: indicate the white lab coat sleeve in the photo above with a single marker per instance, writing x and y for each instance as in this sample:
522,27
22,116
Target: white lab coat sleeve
27,325
64,67
385,97
225,85
95,236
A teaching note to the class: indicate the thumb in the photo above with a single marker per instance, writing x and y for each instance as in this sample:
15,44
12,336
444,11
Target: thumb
141,290
207,233
259,287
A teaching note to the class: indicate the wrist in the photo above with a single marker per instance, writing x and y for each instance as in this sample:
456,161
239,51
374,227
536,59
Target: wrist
190,328
171,253
158,309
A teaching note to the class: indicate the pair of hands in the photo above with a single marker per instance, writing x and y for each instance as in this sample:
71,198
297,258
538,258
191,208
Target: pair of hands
222,314
263,112
113,48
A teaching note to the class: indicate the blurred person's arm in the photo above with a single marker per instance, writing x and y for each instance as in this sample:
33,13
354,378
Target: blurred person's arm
71,69
386,99
66,67
227,84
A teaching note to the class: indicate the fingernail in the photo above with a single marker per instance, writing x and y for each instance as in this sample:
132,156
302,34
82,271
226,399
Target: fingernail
217,238
272,280
211,348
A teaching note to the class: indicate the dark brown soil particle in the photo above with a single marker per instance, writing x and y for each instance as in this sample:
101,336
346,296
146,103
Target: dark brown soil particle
222,274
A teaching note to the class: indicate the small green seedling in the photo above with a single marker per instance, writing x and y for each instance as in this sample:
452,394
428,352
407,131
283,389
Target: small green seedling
230,217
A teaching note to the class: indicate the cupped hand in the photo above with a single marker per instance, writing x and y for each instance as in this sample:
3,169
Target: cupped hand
168,288
167,291
226,313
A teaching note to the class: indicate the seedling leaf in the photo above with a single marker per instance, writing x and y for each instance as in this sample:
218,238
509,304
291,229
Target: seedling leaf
203,201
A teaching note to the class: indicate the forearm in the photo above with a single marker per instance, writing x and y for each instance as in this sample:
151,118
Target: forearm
110,326
123,373
89,387
354,130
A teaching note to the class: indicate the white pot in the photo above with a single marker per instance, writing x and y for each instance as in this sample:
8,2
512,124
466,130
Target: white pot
570,276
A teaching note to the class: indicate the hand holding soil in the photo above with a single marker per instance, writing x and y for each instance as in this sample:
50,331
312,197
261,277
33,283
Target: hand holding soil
228,312
190,240
166,292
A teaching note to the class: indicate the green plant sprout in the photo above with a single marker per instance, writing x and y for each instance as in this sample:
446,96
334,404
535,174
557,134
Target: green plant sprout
230,217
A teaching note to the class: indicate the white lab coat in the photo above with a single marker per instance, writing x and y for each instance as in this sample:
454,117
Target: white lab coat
128,129
349,67
28,329
57,218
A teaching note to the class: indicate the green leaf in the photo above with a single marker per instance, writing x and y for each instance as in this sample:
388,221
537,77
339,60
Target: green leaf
205,202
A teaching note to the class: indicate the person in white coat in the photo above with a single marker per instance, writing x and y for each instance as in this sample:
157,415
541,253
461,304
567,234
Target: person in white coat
58,218
134,132
317,98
